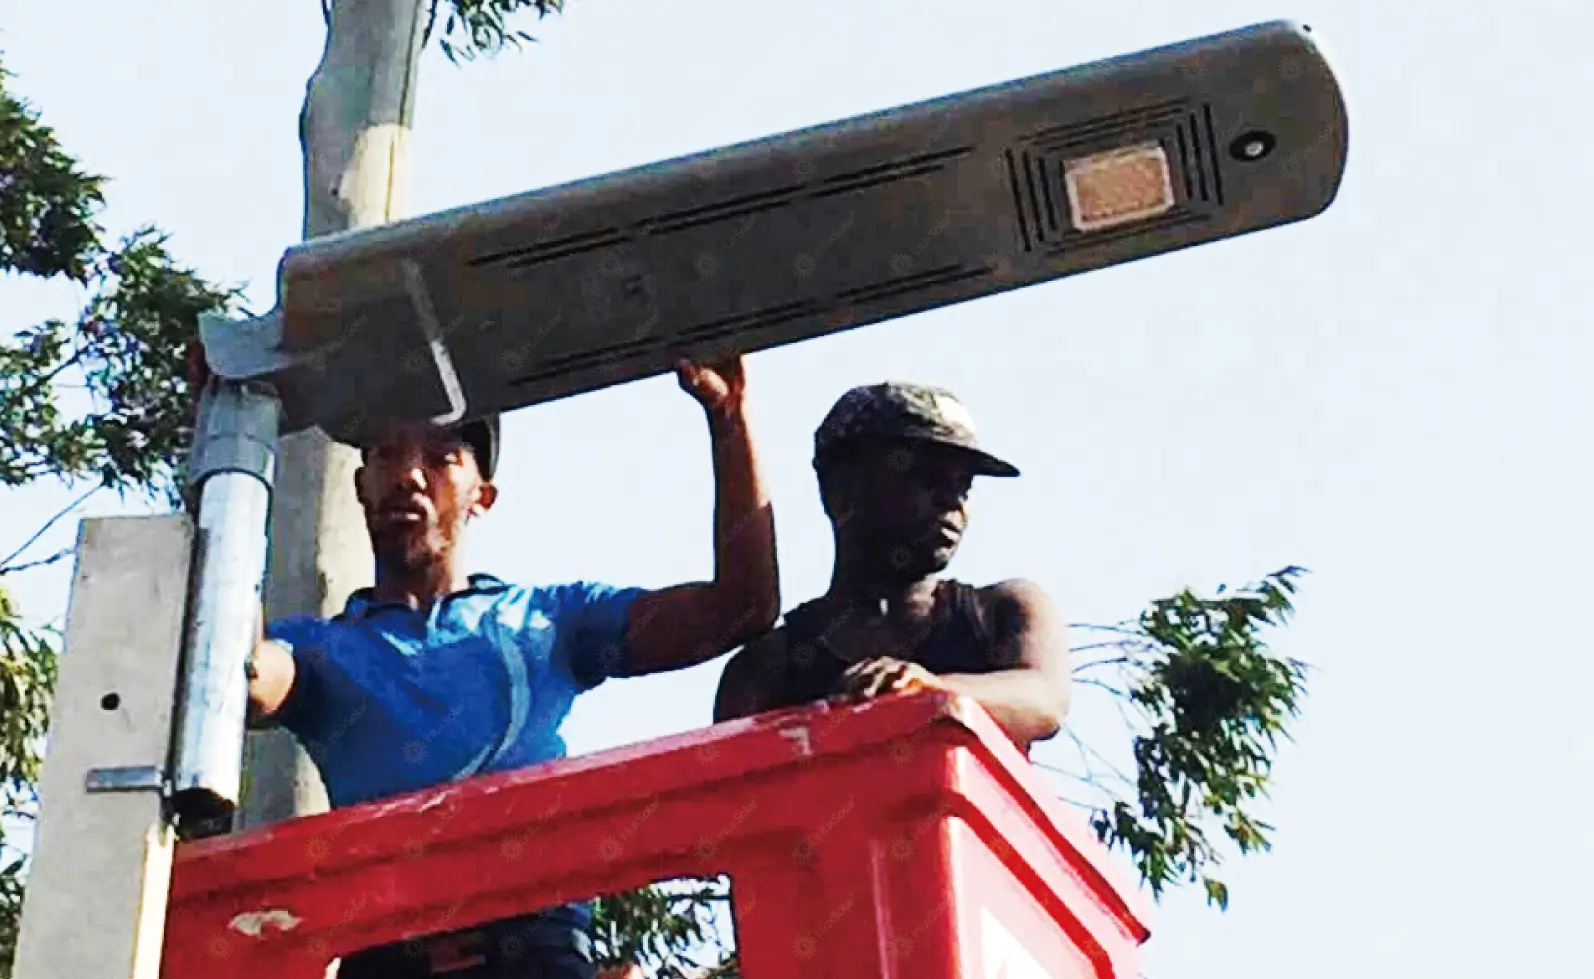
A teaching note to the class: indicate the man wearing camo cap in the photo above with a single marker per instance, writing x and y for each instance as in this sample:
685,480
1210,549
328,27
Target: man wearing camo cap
895,463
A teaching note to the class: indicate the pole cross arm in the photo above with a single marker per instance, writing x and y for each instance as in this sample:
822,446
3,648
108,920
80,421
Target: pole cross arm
526,299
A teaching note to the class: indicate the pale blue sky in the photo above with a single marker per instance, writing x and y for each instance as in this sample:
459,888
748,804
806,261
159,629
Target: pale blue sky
1392,394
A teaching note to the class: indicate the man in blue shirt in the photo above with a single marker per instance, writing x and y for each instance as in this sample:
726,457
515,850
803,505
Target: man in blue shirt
434,675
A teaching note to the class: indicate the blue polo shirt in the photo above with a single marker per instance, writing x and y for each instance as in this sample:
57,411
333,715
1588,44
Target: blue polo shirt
389,699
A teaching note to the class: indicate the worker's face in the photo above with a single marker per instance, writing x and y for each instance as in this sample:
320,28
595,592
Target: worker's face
419,487
907,504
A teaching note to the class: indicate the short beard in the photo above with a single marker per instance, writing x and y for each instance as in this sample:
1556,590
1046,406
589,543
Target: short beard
411,554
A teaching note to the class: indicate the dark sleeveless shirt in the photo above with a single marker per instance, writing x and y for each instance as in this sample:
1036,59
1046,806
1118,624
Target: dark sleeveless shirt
959,639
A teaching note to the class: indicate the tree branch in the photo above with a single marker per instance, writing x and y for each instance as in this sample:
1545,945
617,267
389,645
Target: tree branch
1121,629
431,22
1086,752
38,384
5,565
42,562
1092,664
1110,644
1086,779
1087,682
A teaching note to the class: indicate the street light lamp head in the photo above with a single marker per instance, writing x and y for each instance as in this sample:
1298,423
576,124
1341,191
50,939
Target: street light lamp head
553,293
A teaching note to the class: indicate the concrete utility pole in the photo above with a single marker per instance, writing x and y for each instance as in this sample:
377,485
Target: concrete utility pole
354,131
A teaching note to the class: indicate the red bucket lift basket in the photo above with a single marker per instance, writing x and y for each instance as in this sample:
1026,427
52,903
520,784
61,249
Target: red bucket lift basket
903,838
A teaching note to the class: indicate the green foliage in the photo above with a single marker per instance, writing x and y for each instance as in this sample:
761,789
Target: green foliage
660,927
102,396
11,883
105,396
27,677
1214,700
483,25
47,203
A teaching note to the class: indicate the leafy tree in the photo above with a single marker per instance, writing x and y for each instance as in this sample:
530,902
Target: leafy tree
1210,701
482,25
667,928
99,402
27,672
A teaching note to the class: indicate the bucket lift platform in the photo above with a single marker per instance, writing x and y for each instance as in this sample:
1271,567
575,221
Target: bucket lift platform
905,837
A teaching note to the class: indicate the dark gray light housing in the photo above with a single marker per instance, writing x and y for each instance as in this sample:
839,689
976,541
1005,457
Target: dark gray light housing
556,292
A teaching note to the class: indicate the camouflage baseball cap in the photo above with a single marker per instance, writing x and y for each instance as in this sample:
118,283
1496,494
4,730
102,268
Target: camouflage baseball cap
899,410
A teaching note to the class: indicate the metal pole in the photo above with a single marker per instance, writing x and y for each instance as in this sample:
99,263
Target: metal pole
232,468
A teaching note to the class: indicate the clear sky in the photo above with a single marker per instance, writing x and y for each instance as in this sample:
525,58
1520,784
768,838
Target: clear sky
1393,394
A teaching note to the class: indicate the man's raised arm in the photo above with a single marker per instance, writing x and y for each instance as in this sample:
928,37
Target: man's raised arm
684,625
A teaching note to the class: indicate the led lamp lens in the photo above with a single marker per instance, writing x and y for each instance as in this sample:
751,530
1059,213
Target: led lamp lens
1118,187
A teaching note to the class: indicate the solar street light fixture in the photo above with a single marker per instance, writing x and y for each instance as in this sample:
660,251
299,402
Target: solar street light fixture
512,302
